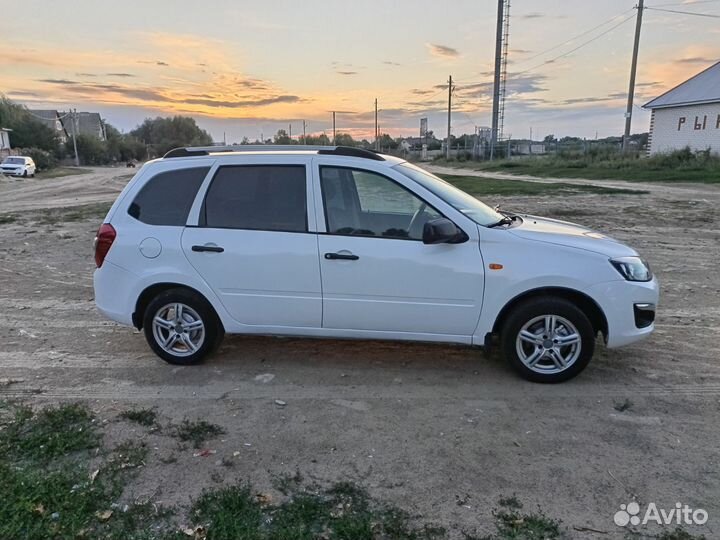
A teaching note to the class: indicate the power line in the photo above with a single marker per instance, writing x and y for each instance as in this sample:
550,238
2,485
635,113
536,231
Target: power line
711,15
685,3
588,42
570,40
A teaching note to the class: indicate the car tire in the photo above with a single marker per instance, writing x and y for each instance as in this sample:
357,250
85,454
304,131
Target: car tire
181,327
548,340
25,174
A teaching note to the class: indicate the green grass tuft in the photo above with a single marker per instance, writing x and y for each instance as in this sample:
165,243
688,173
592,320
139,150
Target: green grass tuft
197,432
50,433
144,417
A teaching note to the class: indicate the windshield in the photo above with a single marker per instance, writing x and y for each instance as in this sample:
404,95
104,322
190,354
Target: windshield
14,161
479,212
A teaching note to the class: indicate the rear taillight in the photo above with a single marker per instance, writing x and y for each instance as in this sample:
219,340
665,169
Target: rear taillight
103,242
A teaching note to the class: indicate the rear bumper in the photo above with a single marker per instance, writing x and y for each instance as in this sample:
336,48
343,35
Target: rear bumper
629,308
113,292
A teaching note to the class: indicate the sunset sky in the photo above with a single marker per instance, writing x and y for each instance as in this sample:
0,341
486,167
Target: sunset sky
247,68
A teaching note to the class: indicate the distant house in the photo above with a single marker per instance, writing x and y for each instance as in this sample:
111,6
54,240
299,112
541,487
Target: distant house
52,119
688,115
86,123
5,142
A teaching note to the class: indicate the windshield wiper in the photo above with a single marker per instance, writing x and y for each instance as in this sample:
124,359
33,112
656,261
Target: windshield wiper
504,221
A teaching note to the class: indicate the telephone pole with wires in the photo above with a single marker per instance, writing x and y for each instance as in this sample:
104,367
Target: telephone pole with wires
450,91
73,118
633,72
334,132
377,132
304,138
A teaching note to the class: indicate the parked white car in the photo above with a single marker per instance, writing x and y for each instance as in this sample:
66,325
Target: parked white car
345,243
18,166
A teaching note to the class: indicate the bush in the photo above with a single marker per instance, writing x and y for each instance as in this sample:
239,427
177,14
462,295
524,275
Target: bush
43,159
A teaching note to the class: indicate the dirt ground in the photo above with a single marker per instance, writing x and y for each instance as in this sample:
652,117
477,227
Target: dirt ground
440,431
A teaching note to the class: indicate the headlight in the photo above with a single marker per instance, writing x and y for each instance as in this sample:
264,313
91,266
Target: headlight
632,268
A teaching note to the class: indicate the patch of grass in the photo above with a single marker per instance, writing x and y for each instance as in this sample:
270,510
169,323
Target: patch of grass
479,187
59,172
680,166
7,219
197,432
47,490
510,502
48,434
344,511
144,417
128,455
52,216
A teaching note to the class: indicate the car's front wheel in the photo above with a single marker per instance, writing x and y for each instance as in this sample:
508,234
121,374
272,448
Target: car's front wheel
181,327
548,340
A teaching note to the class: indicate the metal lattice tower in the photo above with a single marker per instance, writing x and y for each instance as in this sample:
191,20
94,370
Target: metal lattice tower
503,68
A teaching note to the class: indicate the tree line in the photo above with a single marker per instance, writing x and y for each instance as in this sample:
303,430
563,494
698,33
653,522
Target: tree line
154,137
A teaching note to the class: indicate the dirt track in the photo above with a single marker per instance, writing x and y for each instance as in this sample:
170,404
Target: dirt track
441,431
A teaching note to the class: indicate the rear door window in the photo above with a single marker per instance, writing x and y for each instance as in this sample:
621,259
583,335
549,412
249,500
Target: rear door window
258,197
167,197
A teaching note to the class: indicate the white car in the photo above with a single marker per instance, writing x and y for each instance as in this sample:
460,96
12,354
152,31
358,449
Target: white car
344,243
18,166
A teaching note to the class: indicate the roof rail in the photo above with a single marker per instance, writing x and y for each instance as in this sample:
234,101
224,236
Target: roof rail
325,150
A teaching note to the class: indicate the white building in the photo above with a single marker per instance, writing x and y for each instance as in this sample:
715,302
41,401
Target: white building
4,142
687,115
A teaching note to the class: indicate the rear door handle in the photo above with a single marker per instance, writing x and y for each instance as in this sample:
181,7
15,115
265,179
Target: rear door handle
341,257
211,249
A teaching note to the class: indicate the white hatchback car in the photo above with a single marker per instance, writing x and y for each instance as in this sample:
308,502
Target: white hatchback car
344,243
18,166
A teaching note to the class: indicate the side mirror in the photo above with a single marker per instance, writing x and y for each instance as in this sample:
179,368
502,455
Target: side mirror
442,231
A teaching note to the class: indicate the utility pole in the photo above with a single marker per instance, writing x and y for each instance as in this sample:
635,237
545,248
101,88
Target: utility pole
290,132
633,71
447,146
73,115
377,133
334,132
304,138
496,82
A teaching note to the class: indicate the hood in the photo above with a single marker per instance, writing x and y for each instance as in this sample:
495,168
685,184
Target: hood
563,233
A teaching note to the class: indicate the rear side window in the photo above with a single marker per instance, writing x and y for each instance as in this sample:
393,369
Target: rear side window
265,197
167,197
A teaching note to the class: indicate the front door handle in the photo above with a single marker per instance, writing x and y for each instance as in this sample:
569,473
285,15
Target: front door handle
211,249
341,257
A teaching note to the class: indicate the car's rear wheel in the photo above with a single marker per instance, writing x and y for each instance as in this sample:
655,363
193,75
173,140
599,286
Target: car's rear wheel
181,327
548,339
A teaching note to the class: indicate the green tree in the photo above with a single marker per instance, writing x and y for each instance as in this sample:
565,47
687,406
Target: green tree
27,131
387,142
164,134
345,139
282,137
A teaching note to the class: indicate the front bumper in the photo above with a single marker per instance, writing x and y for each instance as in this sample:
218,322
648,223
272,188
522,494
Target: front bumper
12,172
629,307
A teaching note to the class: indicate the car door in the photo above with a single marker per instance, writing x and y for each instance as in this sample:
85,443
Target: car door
252,242
377,275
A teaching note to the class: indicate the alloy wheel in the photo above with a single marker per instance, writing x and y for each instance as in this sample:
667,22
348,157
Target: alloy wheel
548,344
